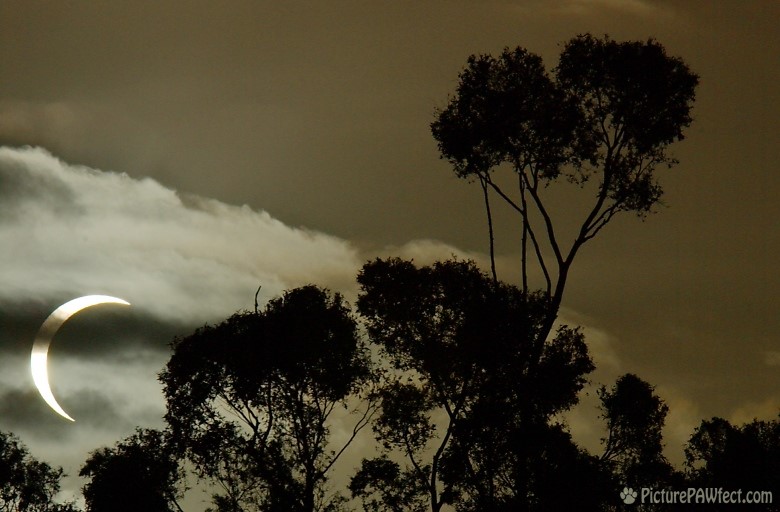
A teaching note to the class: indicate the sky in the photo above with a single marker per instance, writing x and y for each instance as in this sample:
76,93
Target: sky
181,156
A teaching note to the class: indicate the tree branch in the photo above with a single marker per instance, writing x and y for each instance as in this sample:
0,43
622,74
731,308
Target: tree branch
483,183
524,237
364,420
547,220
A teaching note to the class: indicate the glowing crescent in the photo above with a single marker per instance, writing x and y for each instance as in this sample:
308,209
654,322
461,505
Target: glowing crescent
46,333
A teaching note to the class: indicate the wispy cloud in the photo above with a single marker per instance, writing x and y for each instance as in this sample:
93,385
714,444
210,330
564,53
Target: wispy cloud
767,409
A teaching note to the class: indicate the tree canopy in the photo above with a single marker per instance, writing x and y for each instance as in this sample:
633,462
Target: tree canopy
720,454
27,484
633,446
606,113
249,400
461,346
139,473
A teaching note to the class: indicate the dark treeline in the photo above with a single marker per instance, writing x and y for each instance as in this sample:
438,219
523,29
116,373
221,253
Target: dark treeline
460,377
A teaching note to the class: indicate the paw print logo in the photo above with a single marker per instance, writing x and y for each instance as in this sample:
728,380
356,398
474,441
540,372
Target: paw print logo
628,495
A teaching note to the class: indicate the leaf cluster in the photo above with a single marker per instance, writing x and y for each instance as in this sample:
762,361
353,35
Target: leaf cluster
27,484
608,108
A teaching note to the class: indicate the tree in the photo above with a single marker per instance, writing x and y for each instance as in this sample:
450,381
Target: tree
140,473
606,113
522,469
635,418
250,400
26,484
459,344
720,454
633,446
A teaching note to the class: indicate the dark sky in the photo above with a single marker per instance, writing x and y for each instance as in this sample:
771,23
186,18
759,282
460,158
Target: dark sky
315,115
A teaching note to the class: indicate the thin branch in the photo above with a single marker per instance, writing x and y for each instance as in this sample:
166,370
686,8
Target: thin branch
173,500
524,237
532,188
364,420
410,454
602,197
483,183
540,258
503,195
256,293
537,247
602,221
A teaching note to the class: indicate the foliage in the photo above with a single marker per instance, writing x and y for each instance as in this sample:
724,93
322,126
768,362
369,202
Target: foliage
607,111
635,419
139,473
722,455
249,400
383,486
462,344
26,484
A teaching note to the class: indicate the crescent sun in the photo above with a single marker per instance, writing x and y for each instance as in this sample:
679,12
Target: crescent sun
51,325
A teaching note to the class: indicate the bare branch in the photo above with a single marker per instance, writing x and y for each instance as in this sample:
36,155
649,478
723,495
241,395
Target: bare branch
362,422
547,220
483,183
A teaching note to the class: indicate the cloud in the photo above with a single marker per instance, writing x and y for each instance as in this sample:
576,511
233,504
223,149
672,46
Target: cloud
70,230
103,395
600,344
767,409
24,412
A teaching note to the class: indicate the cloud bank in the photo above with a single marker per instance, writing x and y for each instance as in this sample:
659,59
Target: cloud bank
69,230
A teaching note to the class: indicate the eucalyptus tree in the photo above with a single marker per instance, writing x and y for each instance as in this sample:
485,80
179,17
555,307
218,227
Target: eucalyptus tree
251,399
461,398
607,113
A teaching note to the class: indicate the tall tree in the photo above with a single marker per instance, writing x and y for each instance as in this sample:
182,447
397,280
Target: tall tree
606,113
461,391
250,400
141,472
27,484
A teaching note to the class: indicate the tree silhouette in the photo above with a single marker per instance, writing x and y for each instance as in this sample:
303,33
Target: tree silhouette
470,375
606,113
249,400
744,458
140,473
460,346
633,447
26,484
